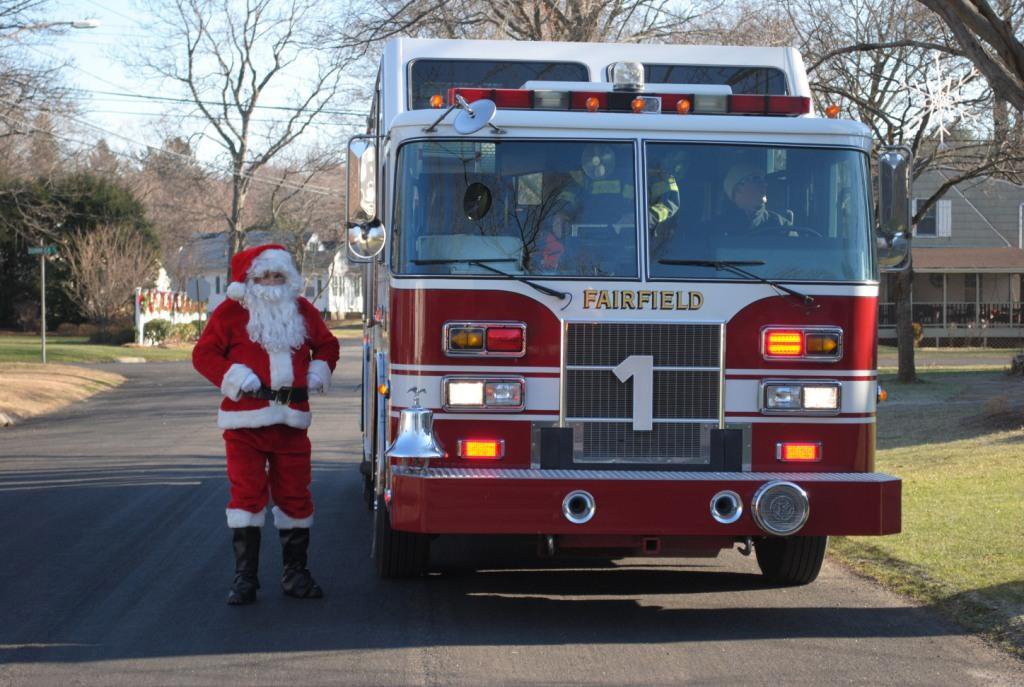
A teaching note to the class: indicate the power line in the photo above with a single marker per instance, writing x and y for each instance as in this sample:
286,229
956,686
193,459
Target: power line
168,99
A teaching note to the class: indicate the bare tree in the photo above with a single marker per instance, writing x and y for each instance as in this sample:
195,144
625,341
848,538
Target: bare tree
226,55
992,42
367,24
881,61
106,265
182,199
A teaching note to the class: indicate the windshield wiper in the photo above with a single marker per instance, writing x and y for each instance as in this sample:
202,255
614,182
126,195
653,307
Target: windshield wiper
736,267
482,262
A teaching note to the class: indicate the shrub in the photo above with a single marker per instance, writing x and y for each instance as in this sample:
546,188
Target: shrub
184,332
113,336
157,331
67,329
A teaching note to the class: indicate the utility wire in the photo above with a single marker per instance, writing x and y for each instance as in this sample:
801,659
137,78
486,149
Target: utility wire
189,101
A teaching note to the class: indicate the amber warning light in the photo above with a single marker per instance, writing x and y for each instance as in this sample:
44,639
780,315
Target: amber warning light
779,342
799,452
481,448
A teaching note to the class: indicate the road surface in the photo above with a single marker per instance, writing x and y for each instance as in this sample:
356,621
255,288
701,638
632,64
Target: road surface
116,563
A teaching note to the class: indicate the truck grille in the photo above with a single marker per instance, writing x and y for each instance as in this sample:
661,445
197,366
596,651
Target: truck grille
685,398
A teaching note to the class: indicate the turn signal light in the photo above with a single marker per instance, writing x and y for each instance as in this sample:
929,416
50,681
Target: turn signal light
822,343
436,101
499,339
481,448
807,343
592,104
466,338
798,452
778,342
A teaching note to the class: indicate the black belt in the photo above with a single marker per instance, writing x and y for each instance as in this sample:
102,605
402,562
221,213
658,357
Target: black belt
286,394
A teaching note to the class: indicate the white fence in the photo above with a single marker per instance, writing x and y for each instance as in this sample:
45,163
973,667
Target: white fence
173,306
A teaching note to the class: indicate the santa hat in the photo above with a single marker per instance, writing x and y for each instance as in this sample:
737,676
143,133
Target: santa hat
257,260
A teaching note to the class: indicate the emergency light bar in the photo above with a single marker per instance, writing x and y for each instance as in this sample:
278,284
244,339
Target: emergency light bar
622,101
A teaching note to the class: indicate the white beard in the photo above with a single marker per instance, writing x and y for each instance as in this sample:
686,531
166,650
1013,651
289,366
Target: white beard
274,319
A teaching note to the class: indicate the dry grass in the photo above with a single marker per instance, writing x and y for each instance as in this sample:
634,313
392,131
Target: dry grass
28,389
956,440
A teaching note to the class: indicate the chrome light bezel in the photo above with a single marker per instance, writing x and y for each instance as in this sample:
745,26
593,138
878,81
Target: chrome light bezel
483,408
827,358
482,353
762,402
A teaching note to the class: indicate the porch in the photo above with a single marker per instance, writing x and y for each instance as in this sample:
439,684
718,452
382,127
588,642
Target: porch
965,304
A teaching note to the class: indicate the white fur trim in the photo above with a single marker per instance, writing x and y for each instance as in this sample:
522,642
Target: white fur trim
235,290
231,385
281,372
321,370
273,414
238,517
276,260
283,521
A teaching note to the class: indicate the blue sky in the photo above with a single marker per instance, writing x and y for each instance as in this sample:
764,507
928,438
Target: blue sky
108,86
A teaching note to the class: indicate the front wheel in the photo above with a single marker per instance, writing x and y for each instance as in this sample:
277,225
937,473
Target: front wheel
398,554
791,561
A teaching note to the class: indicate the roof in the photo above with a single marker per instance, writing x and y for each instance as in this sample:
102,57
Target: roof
995,259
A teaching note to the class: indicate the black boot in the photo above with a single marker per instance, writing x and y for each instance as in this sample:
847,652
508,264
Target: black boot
246,542
296,580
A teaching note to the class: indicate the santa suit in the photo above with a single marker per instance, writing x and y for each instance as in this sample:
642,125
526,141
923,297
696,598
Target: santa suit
266,441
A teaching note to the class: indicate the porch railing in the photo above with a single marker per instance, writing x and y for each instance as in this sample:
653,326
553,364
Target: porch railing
957,315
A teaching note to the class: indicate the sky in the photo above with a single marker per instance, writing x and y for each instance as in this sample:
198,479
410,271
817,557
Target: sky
117,103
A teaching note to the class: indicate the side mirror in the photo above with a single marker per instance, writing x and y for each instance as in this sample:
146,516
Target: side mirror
893,230
366,235
365,240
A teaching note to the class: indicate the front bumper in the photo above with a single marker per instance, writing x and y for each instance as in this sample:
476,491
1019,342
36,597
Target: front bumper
512,501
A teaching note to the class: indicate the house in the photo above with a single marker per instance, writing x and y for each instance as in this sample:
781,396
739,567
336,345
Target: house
968,264
331,284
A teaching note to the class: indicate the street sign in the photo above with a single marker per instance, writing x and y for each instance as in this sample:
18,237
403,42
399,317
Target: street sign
39,250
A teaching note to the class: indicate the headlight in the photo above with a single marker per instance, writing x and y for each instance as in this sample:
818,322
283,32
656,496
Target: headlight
782,396
813,398
821,397
506,394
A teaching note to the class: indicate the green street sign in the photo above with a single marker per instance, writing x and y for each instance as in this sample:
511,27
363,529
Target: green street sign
39,250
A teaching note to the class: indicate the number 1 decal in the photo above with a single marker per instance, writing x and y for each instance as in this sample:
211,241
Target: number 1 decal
641,369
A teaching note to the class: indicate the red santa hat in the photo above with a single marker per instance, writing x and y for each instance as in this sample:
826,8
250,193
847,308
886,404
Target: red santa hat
258,260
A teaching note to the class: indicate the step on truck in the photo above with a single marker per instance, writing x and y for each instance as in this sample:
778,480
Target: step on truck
621,299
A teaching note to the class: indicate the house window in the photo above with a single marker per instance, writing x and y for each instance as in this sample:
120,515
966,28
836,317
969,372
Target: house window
217,284
936,222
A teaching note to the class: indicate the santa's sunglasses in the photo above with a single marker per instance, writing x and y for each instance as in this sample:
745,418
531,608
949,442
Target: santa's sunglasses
270,278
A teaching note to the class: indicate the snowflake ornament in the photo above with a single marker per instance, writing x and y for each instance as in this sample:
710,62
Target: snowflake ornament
944,103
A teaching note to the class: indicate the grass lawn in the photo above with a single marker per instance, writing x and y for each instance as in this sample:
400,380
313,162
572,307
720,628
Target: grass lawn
957,441
33,389
77,349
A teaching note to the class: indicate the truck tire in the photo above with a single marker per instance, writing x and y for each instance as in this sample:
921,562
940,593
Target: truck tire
399,555
790,561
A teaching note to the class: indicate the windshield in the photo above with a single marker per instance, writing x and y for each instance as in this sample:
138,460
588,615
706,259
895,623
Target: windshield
560,208
786,212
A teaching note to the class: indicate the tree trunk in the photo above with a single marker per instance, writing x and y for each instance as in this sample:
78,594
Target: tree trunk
905,324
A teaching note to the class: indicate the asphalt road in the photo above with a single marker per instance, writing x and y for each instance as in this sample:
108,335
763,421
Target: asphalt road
116,562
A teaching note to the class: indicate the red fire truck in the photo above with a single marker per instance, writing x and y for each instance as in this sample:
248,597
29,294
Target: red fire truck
619,298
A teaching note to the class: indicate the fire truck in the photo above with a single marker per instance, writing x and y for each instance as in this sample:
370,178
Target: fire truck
620,299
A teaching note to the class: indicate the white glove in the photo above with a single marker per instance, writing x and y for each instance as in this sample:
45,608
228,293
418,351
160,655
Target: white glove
762,215
251,383
314,383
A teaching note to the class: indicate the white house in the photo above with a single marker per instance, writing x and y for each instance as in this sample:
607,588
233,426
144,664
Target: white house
331,284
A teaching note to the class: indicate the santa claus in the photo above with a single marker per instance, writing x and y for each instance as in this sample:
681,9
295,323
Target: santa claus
265,347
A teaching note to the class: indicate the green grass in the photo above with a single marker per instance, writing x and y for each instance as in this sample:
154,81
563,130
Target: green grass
957,441
77,349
